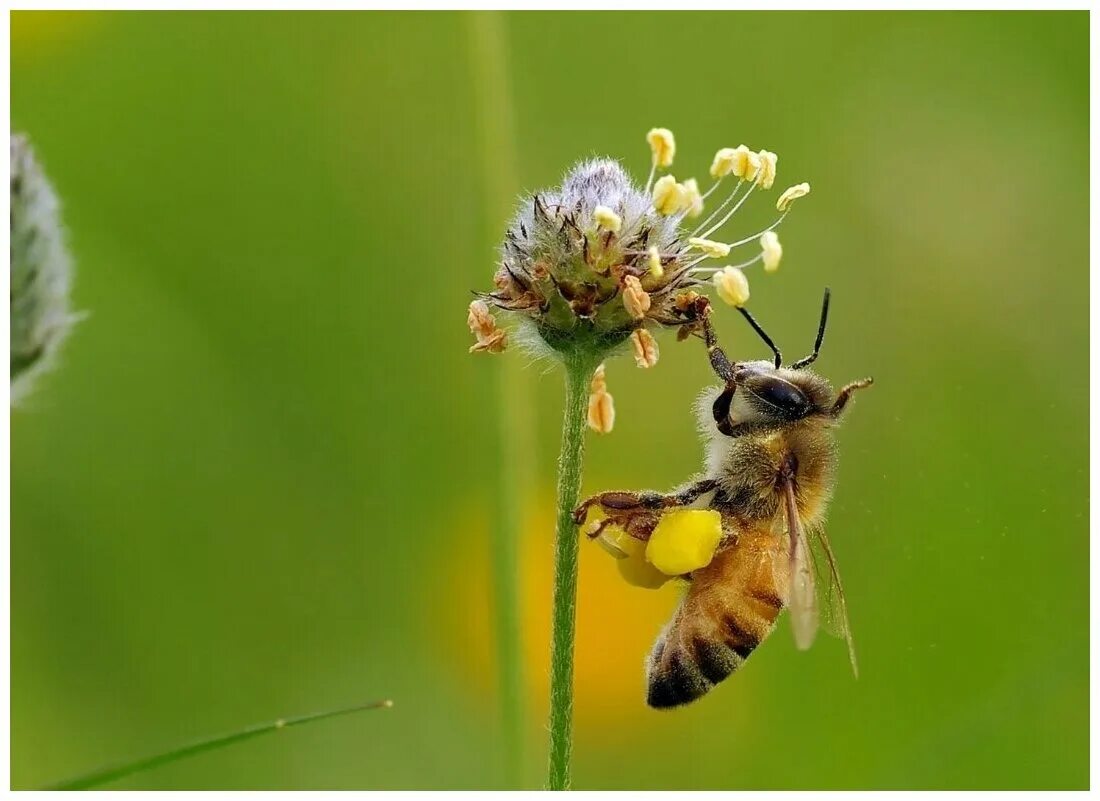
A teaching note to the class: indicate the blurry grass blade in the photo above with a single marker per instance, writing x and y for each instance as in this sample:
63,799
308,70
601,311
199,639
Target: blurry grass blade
100,777
488,41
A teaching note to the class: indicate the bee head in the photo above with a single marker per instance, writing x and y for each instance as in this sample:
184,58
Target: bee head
766,394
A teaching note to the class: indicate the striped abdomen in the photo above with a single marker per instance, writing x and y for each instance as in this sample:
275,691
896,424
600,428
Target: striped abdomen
730,607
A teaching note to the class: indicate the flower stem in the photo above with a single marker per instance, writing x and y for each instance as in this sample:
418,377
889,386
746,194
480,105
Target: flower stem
578,374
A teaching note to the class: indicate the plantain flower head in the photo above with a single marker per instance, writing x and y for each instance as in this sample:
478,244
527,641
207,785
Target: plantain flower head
40,271
585,264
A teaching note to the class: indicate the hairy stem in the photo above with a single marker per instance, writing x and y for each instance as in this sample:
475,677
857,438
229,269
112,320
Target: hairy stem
105,775
578,374
488,45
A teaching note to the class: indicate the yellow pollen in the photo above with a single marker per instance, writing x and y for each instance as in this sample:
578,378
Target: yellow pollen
684,540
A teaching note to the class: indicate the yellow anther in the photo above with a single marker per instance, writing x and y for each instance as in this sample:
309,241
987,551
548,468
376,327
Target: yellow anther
636,300
742,163
773,251
714,250
607,219
645,347
766,176
663,144
654,259
791,194
724,162
601,406
693,199
684,540
732,286
669,197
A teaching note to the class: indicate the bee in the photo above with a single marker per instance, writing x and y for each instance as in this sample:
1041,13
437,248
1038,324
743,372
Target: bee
770,466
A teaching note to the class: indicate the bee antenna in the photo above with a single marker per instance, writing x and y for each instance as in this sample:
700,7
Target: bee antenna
806,362
763,335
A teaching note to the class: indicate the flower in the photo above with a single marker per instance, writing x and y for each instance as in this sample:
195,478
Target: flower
732,286
791,194
771,251
586,264
684,540
41,272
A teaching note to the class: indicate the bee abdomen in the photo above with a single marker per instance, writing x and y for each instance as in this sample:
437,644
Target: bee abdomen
681,671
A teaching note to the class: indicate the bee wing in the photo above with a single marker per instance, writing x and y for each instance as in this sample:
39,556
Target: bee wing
803,592
831,592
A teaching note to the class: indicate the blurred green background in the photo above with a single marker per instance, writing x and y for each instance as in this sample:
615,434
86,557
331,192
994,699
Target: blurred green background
259,483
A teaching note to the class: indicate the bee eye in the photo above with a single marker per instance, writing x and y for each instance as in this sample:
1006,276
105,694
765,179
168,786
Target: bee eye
783,396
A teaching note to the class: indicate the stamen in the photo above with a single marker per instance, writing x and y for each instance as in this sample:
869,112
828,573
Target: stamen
718,210
730,213
759,234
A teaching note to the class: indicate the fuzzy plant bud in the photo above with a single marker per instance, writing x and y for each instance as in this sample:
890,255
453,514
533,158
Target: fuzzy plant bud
41,271
732,286
663,145
771,251
791,194
586,264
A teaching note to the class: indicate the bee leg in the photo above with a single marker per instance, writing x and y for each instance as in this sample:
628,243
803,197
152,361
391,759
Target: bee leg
845,395
625,501
719,361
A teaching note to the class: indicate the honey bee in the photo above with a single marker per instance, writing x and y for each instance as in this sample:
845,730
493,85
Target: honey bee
770,463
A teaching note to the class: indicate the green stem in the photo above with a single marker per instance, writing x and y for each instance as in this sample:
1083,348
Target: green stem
578,374
105,775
